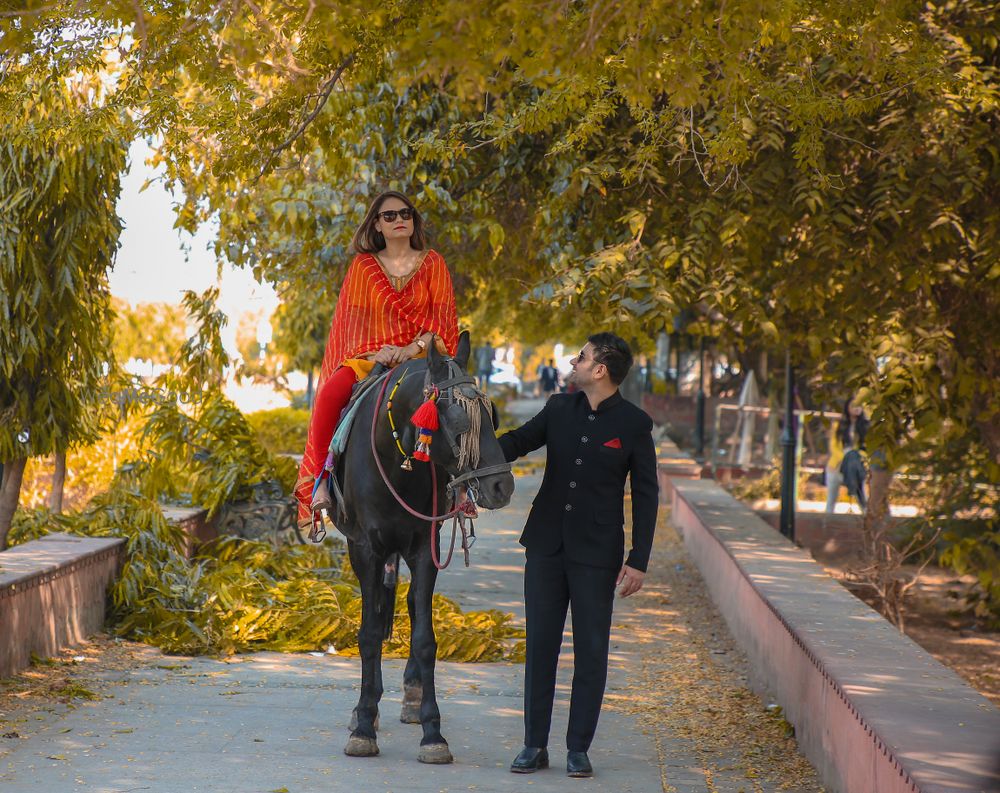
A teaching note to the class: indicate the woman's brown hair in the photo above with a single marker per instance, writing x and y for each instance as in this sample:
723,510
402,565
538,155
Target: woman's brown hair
368,240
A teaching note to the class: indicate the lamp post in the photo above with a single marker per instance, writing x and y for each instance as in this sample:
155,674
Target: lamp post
699,415
787,519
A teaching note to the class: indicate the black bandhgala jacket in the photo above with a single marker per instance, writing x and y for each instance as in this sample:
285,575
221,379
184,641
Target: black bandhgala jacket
580,505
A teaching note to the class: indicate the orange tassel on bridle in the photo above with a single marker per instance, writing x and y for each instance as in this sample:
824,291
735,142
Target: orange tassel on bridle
425,419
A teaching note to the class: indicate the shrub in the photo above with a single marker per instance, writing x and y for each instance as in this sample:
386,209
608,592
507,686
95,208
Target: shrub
89,469
977,551
236,595
281,430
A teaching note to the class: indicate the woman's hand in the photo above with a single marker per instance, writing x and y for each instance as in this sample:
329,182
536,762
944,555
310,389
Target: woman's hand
411,350
390,355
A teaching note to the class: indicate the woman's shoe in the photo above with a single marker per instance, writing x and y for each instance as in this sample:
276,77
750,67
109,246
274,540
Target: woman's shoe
321,498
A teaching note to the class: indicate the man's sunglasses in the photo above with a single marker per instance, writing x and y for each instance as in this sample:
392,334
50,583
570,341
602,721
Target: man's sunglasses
390,214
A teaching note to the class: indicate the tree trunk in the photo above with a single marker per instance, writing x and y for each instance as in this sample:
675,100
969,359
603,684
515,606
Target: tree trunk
58,484
878,496
10,495
989,431
309,390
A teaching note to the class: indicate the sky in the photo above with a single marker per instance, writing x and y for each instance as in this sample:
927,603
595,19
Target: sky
152,264
156,263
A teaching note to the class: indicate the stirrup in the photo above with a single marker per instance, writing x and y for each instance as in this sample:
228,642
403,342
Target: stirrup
320,501
317,531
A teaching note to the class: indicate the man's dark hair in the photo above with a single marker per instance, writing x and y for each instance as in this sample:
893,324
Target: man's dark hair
614,353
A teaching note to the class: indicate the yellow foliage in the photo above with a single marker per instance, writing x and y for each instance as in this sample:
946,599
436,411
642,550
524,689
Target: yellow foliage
89,469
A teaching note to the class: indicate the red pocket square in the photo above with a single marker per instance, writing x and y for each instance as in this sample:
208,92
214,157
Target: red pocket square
614,443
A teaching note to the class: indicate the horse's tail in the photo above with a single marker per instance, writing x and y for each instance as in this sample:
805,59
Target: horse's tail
389,580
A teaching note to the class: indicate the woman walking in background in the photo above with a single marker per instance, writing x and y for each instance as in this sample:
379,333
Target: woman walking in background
845,464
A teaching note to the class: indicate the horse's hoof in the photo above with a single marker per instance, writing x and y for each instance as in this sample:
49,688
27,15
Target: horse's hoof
353,724
410,714
436,754
359,746
412,697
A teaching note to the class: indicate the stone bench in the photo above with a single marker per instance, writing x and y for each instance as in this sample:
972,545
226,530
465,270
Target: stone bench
53,593
198,529
872,710
672,463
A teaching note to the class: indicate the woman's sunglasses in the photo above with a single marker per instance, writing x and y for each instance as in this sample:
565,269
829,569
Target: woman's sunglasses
390,214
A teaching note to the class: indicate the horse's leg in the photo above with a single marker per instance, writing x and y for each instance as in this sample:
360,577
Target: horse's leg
353,725
367,567
423,645
413,690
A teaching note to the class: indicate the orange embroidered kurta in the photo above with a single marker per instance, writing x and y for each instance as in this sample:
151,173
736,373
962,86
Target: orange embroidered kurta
371,313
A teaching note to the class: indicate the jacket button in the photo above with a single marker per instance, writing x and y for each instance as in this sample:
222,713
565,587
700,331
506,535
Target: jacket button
579,461
569,507
584,439
572,484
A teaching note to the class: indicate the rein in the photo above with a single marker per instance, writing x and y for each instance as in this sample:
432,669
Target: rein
463,512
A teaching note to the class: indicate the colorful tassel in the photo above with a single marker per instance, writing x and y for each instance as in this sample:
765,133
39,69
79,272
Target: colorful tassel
423,448
425,419
426,415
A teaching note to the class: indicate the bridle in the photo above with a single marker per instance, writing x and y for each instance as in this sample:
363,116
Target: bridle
445,391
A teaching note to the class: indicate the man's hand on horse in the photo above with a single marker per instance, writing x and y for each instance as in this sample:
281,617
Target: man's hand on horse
629,581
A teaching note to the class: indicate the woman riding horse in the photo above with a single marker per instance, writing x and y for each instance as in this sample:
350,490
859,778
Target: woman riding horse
396,298
397,304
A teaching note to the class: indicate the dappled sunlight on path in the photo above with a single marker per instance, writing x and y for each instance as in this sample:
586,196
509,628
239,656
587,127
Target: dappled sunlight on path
690,689
677,717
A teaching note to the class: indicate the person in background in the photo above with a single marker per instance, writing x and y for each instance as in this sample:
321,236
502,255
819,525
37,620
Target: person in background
548,377
841,466
484,364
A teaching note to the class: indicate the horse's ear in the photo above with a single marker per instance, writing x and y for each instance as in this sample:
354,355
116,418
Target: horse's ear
435,363
464,348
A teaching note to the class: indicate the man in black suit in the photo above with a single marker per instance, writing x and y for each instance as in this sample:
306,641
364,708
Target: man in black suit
575,541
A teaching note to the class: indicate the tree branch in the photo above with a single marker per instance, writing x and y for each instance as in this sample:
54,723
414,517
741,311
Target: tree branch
28,12
324,93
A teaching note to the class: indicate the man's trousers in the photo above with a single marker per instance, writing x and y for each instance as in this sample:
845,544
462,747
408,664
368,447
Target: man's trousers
551,584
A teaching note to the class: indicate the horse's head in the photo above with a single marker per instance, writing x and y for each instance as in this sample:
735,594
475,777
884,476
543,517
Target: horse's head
465,443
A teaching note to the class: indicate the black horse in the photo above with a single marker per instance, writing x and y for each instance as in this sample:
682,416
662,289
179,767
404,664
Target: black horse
379,529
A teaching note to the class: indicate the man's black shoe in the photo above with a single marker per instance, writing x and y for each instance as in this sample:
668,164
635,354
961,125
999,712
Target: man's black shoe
578,764
530,760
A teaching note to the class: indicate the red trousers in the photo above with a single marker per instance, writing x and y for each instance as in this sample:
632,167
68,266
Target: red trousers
331,398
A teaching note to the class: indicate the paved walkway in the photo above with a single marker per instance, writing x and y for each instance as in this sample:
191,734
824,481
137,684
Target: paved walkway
270,721
277,722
